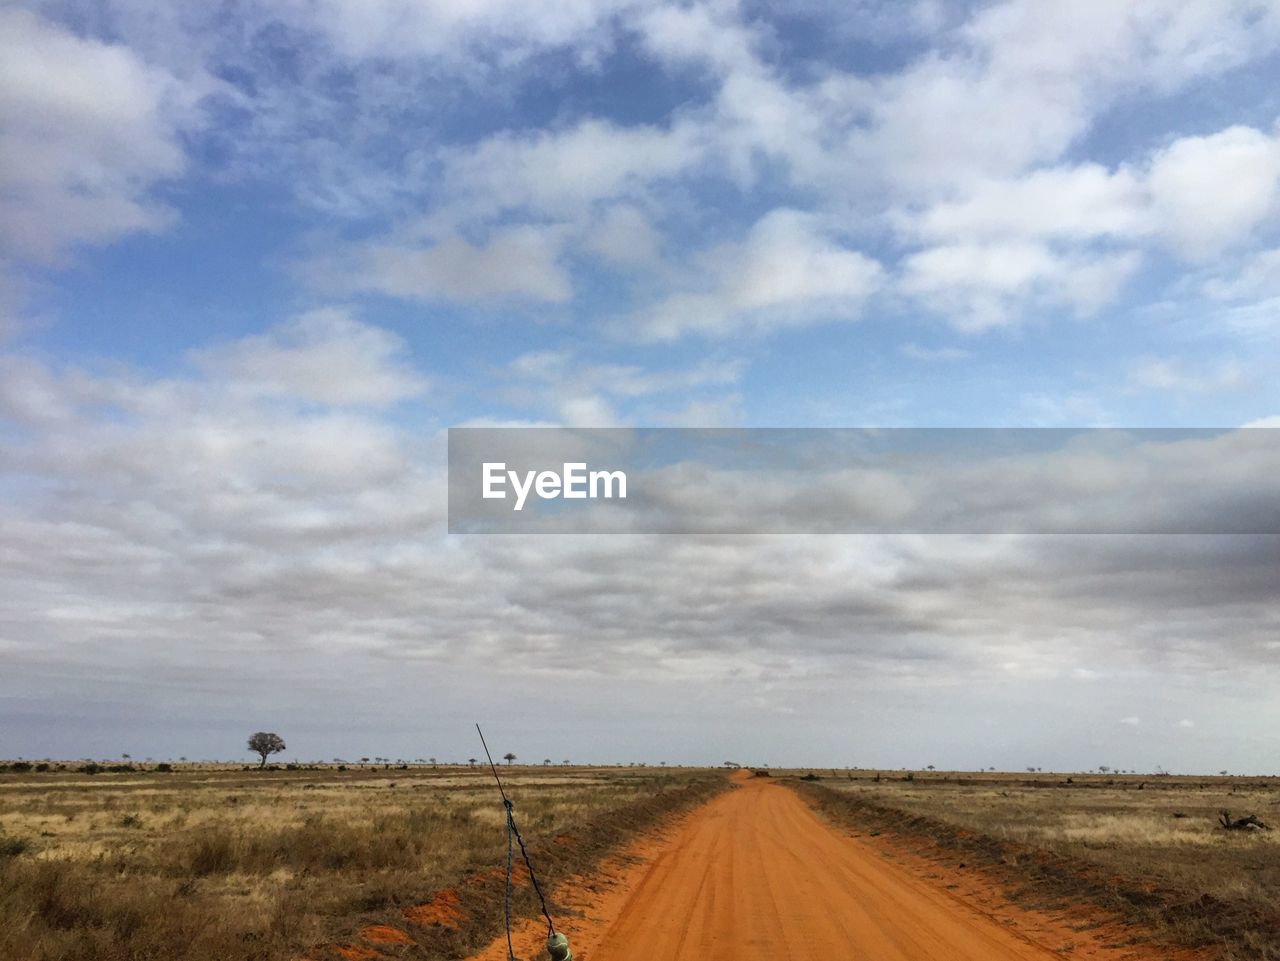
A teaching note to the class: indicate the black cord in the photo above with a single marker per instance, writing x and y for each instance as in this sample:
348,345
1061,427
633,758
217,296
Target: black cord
512,829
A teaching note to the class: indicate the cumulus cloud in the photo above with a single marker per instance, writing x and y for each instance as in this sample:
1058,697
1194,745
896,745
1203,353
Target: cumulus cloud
978,286
581,393
324,356
86,130
1073,234
787,272
516,262
558,172
1211,192
1021,84
623,235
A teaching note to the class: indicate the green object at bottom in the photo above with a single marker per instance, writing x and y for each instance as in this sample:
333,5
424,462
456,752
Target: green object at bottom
558,948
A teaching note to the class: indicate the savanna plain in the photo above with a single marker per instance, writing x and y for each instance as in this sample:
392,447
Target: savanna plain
201,862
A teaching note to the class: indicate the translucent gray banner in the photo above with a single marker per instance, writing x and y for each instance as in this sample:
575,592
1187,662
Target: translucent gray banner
864,481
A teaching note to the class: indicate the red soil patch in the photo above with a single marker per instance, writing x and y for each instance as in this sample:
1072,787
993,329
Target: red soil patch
444,909
353,952
384,934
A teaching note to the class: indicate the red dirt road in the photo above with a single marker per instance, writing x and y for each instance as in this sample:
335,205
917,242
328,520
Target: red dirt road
756,875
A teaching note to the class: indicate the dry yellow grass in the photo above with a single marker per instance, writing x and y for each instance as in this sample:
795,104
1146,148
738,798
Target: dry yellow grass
199,864
1151,847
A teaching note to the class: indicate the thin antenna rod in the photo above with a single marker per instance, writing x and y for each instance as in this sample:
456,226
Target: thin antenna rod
492,767
513,830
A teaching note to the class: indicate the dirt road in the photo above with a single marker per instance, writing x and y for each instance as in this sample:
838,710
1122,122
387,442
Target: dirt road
757,875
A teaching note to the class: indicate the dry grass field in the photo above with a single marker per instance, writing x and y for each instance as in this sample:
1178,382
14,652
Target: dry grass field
198,865
1148,848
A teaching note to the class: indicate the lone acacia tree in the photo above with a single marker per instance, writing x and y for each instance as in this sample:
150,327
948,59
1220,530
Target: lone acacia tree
266,743
508,757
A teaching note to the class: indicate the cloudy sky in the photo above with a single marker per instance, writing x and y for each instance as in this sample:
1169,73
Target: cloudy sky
256,257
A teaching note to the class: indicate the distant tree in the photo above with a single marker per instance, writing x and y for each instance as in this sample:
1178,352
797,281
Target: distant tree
546,762
265,743
1223,773
930,767
566,762
1102,768
431,761
471,761
364,760
127,756
508,757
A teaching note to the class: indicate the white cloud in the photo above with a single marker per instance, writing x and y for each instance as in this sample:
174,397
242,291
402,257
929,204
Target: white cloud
1209,193
1087,202
786,272
505,31
583,393
1168,374
623,235
1131,721
1258,278
709,34
560,173
1072,235
1020,83
86,130
323,356
515,262
979,286
933,354
1198,195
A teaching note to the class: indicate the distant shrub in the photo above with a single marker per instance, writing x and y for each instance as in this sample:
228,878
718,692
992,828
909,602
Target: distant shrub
19,767
164,767
12,847
131,821
214,853
89,768
42,767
